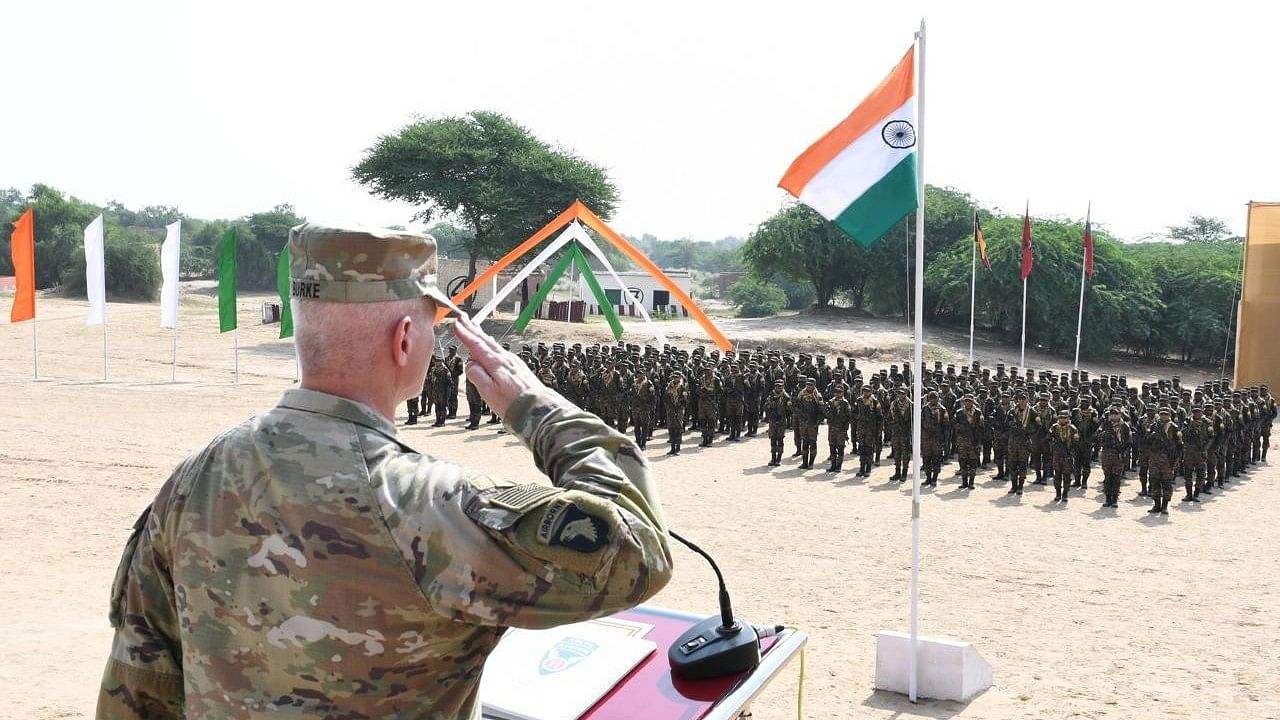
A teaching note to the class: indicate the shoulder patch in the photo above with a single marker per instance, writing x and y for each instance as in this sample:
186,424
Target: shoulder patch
522,497
566,525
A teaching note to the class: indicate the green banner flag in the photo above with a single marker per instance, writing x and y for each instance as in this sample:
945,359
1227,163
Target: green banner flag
227,281
282,287
536,301
601,299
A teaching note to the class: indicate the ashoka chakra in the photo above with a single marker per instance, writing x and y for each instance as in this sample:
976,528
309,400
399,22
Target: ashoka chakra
898,134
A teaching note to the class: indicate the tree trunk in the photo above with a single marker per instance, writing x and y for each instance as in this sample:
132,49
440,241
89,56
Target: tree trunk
471,277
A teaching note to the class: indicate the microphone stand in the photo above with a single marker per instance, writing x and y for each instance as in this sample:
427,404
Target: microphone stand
715,646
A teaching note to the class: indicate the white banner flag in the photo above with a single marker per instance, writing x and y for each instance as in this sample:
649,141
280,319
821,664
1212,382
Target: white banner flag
169,254
95,279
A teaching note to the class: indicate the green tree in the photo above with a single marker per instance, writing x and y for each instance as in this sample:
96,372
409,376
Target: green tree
798,243
486,171
451,240
756,297
1202,229
131,264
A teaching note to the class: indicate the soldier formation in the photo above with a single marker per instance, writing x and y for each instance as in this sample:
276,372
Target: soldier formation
1052,425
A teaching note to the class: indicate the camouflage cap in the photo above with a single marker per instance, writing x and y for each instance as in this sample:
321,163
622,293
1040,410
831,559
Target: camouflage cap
358,265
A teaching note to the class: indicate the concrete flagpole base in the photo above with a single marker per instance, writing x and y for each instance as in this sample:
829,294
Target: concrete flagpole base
949,669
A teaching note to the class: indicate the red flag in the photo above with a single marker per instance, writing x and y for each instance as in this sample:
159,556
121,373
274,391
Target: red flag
22,248
1088,246
1027,254
981,242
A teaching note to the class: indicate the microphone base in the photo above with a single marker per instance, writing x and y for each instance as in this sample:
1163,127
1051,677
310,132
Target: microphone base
709,650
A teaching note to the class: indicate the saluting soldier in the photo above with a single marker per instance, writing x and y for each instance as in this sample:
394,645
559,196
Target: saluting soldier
308,563
999,426
1144,452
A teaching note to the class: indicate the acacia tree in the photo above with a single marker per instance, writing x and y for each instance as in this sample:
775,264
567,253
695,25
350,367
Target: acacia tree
798,243
486,172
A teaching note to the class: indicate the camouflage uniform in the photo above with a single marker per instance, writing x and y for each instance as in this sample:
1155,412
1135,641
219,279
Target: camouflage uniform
1022,428
675,402
1113,437
642,400
310,563
441,380
867,416
1163,442
1064,447
777,406
968,425
808,409
900,429
933,438
1197,435
475,405
839,414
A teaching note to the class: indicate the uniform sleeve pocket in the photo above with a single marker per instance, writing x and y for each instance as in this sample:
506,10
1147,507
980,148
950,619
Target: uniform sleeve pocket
116,612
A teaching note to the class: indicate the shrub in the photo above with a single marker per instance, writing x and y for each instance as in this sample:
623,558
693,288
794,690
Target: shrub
756,298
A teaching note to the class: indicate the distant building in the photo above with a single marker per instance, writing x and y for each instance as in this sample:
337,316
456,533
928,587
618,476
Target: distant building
642,286
452,273
728,280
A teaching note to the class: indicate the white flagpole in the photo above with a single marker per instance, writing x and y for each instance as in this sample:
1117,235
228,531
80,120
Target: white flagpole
104,343
35,351
173,374
913,665
907,227
973,287
1022,357
237,334
1080,314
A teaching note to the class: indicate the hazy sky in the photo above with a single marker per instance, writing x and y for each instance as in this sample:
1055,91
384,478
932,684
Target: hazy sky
1152,110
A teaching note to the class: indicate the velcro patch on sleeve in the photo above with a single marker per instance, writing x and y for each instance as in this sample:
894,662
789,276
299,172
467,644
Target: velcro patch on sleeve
565,524
520,498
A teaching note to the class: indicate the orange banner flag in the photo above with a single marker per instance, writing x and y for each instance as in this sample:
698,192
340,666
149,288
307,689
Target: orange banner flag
23,250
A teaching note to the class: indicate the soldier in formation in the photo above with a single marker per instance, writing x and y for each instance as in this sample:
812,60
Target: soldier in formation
1162,430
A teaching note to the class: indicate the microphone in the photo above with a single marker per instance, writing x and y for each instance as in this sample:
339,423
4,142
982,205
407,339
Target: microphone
715,646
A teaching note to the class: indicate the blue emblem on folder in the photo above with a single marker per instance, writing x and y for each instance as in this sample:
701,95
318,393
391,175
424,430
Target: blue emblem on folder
565,654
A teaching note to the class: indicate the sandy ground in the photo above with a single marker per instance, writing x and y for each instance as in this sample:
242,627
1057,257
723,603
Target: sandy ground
1082,612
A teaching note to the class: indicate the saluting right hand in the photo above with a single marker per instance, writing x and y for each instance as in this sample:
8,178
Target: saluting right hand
499,375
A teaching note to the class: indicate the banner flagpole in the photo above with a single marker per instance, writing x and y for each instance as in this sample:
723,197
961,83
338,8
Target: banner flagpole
1022,357
913,669
35,352
1080,313
237,338
973,284
173,375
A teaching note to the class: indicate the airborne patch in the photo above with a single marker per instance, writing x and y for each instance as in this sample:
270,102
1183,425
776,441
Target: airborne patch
564,524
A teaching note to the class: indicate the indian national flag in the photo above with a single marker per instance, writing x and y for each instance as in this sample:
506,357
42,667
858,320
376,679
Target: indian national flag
862,174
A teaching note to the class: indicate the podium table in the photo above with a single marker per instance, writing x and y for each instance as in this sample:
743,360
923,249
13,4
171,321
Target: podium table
650,692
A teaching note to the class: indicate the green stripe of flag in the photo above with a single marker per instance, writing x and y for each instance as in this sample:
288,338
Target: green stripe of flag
892,198
536,301
227,281
601,299
282,287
